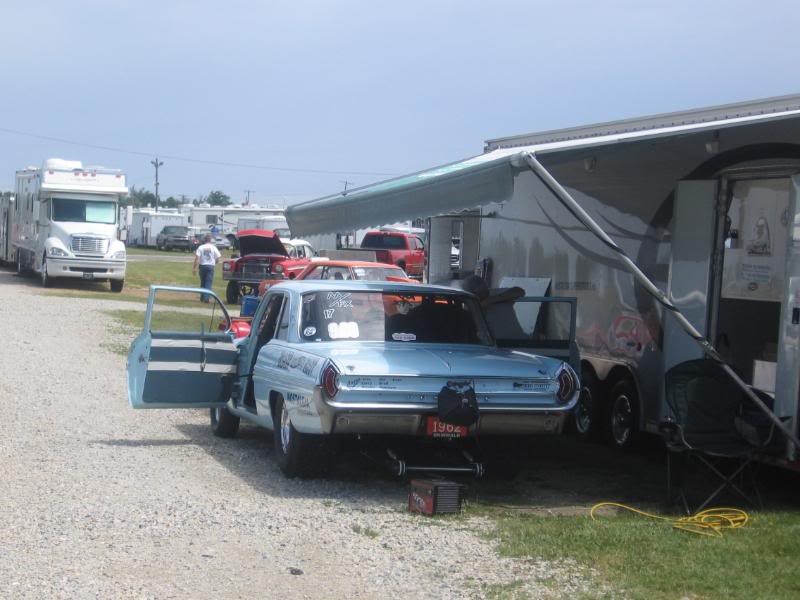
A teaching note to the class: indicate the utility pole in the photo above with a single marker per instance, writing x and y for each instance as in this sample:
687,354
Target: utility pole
346,183
156,163
247,197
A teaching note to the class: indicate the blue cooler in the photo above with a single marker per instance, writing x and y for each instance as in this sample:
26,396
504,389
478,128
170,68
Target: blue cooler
249,304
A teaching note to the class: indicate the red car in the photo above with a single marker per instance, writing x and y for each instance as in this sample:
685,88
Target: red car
405,250
262,256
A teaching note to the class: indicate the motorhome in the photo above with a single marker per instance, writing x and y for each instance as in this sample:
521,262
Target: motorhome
705,202
63,223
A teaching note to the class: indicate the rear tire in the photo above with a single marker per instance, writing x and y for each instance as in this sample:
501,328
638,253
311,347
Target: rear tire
223,423
116,285
297,454
232,293
587,419
622,415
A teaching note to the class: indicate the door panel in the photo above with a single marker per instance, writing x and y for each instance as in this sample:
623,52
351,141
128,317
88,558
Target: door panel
182,359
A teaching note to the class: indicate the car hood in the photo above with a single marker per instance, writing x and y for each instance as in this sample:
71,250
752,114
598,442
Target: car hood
254,241
397,358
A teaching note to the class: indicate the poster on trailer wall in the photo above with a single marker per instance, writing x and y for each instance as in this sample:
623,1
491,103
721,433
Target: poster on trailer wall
755,250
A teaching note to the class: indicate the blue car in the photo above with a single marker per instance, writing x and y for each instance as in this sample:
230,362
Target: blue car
333,358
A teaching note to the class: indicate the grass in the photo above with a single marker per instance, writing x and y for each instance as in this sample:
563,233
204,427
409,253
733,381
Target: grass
367,531
164,320
138,278
647,559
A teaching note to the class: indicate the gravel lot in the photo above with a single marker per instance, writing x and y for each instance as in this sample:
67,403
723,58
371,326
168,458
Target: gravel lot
100,501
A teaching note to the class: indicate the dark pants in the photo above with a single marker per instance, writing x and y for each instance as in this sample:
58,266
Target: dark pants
206,280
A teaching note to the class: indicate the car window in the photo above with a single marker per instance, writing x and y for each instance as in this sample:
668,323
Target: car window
338,273
291,250
308,251
315,273
379,240
418,243
269,320
283,326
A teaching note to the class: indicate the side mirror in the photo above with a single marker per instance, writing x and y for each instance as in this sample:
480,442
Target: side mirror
123,235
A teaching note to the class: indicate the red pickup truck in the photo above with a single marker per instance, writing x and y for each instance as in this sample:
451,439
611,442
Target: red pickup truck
405,250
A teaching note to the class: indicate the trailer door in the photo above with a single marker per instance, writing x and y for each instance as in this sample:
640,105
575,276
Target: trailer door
787,384
184,357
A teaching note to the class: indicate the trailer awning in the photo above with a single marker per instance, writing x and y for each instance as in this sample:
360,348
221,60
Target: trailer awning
474,182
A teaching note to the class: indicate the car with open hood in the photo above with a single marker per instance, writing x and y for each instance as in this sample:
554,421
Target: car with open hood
348,358
262,255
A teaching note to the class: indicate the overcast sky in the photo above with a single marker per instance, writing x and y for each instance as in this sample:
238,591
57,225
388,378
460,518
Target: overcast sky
353,90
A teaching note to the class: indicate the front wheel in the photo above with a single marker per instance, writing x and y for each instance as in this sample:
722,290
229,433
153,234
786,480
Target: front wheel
232,293
298,454
47,281
223,423
622,417
116,284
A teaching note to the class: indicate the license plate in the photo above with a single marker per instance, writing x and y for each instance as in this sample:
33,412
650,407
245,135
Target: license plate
439,429
88,275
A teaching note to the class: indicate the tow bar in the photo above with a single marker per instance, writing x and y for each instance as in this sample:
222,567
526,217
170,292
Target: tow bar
400,468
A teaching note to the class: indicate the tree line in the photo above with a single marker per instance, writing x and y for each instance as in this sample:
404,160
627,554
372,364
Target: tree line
140,197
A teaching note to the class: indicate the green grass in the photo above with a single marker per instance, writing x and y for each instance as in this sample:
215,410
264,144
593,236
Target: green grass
648,559
138,278
367,531
163,320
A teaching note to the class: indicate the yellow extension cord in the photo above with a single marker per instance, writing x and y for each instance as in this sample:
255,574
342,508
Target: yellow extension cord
710,522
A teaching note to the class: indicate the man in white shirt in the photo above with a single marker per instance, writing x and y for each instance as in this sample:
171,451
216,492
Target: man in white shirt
206,257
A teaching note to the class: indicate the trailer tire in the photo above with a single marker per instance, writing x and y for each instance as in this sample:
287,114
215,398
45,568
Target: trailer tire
298,454
232,293
20,269
587,419
622,415
47,281
116,285
224,424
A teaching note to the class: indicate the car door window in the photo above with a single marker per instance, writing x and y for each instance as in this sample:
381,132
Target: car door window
338,273
283,326
269,320
315,273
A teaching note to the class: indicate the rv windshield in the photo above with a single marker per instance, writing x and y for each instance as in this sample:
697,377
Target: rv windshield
84,211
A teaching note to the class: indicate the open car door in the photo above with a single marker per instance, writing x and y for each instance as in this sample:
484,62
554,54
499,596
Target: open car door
185,356
543,325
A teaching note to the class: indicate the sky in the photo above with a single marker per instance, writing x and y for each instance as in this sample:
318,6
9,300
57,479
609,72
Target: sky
298,97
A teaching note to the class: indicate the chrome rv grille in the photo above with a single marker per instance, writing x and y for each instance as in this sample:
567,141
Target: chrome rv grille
89,245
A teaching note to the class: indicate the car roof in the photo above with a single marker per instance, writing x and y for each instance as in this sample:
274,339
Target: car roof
353,263
315,285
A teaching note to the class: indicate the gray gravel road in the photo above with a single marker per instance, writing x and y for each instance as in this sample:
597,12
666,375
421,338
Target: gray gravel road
100,501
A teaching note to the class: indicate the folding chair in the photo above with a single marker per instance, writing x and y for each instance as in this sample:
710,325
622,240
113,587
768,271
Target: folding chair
708,416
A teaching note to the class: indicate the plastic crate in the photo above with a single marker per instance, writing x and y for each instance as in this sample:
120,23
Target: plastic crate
249,304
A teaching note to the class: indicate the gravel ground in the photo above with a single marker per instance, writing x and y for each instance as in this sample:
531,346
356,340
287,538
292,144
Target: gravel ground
100,501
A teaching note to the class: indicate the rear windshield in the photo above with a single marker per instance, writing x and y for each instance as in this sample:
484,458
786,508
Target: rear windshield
389,242
392,317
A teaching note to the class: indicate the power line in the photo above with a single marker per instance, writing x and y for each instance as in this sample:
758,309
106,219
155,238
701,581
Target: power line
201,161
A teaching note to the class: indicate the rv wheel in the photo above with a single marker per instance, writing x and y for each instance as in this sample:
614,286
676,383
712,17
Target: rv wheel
47,281
622,417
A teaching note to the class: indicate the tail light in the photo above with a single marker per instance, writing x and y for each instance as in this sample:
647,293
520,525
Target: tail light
330,381
567,384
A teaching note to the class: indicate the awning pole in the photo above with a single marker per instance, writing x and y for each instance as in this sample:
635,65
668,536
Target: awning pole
573,207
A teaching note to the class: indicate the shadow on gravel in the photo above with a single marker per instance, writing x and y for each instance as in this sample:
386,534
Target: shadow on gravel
8,276
122,443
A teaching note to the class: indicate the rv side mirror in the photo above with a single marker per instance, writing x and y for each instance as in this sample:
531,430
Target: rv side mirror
123,235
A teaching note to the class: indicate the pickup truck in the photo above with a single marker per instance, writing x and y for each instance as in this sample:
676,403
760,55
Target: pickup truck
397,248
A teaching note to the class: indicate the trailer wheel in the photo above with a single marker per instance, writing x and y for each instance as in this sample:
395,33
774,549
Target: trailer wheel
622,415
587,419
224,424
232,293
20,268
116,284
297,454
47,281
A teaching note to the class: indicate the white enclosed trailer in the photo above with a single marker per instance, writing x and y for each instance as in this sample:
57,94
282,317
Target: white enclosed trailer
704,201
64,223
146,224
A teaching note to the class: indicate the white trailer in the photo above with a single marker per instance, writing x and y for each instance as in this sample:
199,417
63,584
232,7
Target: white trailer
63,223
705,202
146,224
